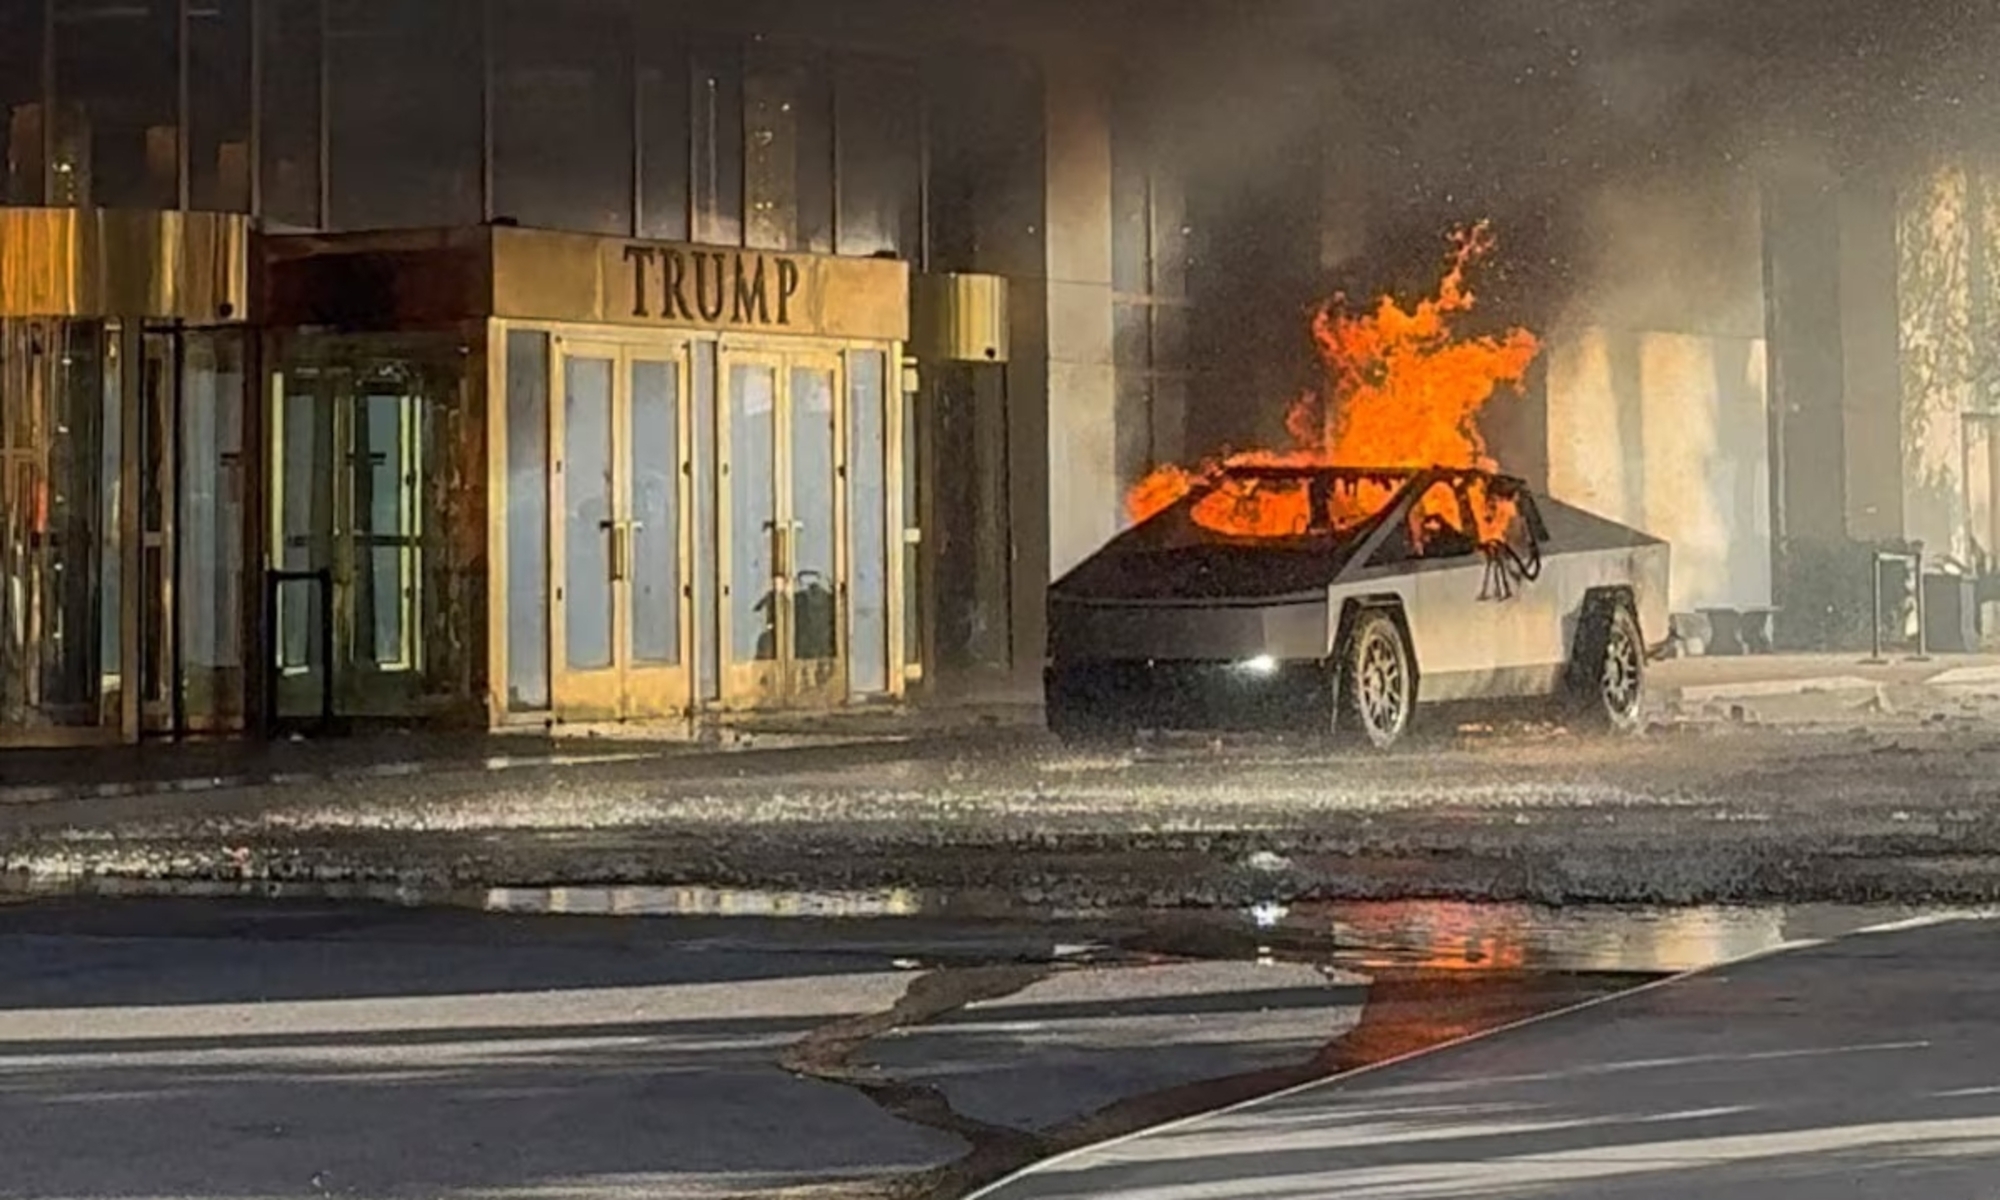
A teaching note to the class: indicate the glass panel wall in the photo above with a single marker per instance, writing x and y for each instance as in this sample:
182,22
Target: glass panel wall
57,461
665,146
527,521
753,512
868,522
716,189
653,465
589,602
814,566
406,119
211,592
788,153
289,141
382,114
219,102
117,84
880,119
562,116
21,30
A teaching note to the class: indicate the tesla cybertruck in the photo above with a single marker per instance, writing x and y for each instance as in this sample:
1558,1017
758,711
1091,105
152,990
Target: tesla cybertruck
1347,599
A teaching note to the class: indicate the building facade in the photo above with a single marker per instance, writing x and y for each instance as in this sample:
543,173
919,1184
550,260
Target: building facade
485,362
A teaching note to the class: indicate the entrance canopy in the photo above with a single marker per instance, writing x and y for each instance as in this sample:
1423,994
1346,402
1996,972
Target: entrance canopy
106,263
393,280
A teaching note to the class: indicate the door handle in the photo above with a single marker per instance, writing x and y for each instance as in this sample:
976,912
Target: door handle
781,552
620,548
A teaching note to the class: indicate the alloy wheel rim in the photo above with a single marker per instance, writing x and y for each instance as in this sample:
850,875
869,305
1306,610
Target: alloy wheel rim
1621,673
1381,685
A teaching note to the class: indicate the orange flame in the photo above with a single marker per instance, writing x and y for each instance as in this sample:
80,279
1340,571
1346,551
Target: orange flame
1400,391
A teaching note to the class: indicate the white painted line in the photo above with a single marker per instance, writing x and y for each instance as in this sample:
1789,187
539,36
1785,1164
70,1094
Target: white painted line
1372,1068
1965,675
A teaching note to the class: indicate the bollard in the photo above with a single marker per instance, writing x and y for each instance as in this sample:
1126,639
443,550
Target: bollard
1923,617
1875,609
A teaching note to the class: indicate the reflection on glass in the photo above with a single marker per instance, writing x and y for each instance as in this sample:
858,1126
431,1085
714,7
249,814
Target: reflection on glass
881,139
380,481
156,515
588,513
218,109
110,618
71,550
562,116
117,73
527,521
404,113
304,503
385,473
771,159
707,573
210,525
913,500
664,148
753,410
656,518
20,98
717,131
52,537
868,523
815,613
289,138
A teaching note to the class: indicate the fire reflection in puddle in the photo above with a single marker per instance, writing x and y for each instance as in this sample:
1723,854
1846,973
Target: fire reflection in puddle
1427,937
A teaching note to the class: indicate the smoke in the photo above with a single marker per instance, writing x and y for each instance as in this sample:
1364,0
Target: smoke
1620,148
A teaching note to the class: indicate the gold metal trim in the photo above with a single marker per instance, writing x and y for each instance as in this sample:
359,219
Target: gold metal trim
538,275
99,263
961,318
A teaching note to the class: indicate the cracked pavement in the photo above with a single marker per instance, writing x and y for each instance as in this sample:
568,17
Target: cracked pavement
187,1048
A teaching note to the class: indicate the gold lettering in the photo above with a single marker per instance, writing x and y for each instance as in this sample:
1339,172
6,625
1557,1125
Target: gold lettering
711,288
789,279
753,302
641,257
703,287
677,306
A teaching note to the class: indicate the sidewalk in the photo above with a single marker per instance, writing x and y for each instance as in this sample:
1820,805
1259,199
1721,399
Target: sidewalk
39,775
1812,689
1778,689
1862,1067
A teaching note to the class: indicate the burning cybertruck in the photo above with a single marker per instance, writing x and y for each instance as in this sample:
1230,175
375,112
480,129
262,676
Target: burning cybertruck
1347,599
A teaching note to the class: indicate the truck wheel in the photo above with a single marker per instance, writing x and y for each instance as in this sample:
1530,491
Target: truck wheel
1608,676
1378,680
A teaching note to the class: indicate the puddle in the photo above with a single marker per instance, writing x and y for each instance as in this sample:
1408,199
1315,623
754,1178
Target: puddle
1432,936
1486,937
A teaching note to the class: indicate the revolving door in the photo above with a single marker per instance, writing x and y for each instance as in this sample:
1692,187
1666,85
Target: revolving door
122,599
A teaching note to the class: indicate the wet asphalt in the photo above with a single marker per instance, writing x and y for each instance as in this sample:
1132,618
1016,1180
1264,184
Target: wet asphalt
1863,812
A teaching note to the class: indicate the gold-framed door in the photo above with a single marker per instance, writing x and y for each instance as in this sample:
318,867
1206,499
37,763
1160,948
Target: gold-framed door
348,466
782,511
621,620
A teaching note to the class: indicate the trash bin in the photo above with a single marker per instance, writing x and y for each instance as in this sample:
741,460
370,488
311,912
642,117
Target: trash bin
1951,614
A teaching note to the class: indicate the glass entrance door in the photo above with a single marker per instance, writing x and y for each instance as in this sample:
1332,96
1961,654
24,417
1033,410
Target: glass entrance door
122,598
353,497
61,634
620,581
784,583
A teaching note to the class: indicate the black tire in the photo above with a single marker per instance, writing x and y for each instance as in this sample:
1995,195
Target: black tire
1607,678
1378,680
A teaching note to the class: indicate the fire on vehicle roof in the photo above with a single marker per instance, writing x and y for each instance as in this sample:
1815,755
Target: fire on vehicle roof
1274,588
